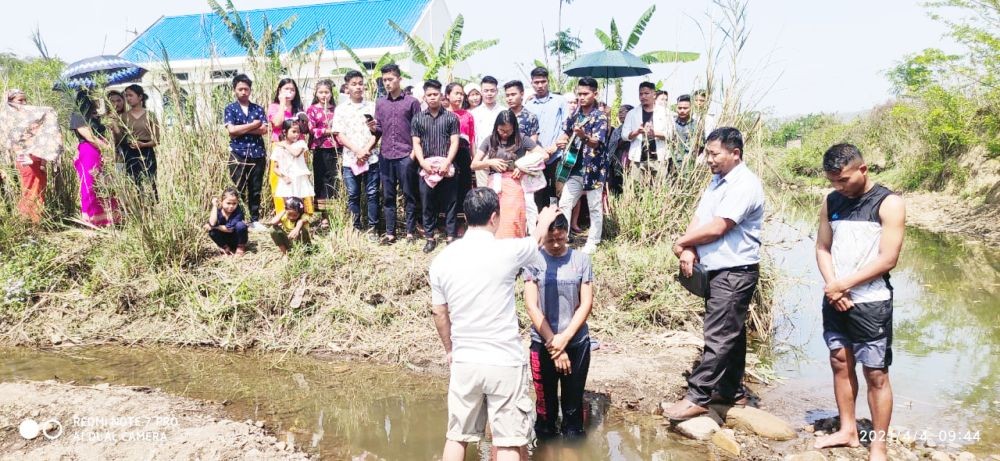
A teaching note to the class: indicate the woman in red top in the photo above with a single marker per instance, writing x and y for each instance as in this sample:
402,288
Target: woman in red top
324,148
467,129
287,104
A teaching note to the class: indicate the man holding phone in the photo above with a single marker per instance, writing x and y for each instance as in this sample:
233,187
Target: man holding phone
356,130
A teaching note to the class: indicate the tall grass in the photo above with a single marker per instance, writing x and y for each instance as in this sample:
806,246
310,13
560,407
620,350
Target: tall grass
156,277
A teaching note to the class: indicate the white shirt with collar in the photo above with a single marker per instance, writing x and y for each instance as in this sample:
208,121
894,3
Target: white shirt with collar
739,197
662,123
475,276
485,118
349,121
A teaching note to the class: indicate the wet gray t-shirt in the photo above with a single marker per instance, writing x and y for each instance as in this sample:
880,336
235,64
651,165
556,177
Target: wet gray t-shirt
559,280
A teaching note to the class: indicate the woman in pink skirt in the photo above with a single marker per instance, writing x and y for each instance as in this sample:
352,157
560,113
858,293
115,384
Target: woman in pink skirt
89,130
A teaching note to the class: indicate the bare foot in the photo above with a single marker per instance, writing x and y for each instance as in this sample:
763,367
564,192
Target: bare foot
877,452
840,438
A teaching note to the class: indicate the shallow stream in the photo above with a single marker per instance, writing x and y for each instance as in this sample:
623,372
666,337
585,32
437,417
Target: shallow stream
946,371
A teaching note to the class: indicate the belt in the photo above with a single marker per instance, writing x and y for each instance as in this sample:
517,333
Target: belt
746,268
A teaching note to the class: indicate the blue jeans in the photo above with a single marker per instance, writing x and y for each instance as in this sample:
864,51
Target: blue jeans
353,184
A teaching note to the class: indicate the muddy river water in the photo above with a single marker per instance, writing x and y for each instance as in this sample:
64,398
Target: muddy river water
946,372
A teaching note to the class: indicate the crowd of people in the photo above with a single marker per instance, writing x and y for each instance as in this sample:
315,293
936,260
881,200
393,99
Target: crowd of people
517,174
531,149
534,151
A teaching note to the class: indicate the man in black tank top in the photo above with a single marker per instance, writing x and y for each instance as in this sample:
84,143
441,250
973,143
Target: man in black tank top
860,235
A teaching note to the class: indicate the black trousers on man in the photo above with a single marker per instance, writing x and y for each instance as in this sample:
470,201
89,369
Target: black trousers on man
440,198
399,173
549,191
723,360
248,176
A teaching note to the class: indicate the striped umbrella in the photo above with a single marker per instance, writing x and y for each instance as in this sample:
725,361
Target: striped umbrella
107,70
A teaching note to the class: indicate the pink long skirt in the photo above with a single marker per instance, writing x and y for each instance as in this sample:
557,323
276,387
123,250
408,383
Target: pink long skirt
88,167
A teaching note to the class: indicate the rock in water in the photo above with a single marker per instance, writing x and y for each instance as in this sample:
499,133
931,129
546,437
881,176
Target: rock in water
726,441
760,422
700,428
940,456
807,456
966,456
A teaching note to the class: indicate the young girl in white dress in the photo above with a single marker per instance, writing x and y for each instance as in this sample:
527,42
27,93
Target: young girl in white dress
291,164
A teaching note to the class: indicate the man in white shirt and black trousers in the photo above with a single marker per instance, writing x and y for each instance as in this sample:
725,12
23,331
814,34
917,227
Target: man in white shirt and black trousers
725,236
472,291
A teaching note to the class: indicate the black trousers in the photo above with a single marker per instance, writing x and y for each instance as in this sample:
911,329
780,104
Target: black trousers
548,382
230,240
140,164
463,174
325,170
723,361
248,176
441,197
399,173
549,191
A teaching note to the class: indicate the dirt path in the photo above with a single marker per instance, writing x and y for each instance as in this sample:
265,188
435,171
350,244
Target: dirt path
643,374
112,423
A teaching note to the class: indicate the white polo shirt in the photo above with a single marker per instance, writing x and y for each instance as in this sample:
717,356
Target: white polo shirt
475,276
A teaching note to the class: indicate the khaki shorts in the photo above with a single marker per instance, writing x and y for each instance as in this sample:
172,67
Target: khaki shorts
480,393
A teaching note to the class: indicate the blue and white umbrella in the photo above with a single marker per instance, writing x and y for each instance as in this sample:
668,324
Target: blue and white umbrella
107,70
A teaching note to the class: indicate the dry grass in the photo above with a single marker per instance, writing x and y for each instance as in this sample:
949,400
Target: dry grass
156,278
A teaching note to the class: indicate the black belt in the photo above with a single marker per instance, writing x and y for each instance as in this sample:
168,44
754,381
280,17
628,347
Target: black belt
746,268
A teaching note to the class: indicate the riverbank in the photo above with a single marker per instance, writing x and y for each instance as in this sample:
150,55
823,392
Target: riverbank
117,422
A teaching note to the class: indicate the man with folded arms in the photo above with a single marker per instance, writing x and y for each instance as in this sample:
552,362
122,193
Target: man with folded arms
861,229
725,236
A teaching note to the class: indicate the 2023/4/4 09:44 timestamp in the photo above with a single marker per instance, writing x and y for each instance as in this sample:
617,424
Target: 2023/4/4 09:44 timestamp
941,436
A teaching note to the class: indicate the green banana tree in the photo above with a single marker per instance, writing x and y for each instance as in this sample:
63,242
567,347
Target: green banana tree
267,50
371,76
450,53
612,40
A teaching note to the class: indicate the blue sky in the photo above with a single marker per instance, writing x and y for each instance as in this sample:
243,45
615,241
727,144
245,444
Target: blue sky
803,56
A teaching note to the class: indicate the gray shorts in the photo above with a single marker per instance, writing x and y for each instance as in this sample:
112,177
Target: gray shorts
865,330
872,354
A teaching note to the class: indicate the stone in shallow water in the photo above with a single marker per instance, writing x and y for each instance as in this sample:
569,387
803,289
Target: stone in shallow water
807,456
759,422
725,439
700,428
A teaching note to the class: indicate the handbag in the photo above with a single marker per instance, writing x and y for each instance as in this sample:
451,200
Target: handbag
697,283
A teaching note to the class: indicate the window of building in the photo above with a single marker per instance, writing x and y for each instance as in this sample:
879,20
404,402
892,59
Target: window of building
224,74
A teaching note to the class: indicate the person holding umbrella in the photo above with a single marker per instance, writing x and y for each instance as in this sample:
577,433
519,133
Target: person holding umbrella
31,137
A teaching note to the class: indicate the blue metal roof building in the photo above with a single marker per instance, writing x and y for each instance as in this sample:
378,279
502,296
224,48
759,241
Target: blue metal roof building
360,24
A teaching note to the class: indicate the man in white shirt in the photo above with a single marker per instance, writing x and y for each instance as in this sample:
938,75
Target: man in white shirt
647,128
472,291
486,116
355,128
